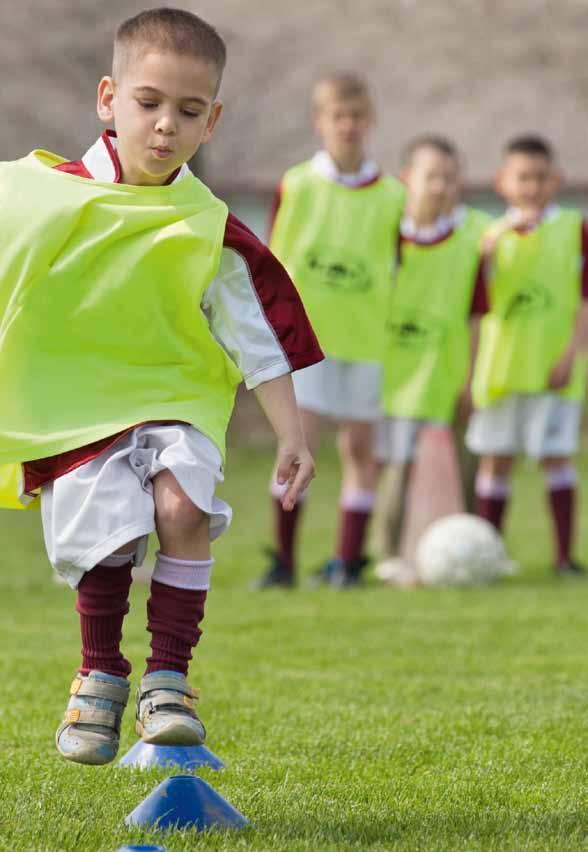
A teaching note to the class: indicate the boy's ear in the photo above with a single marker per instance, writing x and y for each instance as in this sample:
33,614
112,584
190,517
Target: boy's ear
215,113
557,180
497,182
105,99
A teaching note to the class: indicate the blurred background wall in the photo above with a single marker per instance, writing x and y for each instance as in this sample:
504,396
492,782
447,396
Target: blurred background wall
476,70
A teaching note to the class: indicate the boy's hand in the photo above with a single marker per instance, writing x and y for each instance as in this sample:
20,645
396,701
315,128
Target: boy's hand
294,466
562,372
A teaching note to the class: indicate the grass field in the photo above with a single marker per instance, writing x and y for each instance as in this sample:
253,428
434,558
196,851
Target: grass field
368,719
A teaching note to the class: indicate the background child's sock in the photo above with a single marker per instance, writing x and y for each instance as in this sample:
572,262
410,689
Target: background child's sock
354,515
174,611
561,484
103,602
286,527
492,495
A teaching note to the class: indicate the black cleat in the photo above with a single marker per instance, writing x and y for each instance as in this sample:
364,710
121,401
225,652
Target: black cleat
570,569
278,574
339,574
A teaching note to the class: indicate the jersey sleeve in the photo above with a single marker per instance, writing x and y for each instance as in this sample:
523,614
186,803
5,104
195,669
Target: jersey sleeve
255,312
479,305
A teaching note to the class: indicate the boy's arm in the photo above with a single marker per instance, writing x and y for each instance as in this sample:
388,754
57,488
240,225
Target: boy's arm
479,306
295,464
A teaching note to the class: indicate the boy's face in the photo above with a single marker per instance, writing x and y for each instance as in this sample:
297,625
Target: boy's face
164,107
433,181
527,181
343,125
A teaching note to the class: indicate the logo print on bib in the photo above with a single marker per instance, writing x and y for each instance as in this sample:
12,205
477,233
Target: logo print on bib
531,298
417,331
337,269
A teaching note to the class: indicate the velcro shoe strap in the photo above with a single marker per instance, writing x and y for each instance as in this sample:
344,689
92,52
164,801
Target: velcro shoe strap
94,688
106,718
164,681
171,700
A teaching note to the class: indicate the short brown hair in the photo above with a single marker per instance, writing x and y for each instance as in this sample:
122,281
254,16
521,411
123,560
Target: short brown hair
341,85
530,144
172,30
432,141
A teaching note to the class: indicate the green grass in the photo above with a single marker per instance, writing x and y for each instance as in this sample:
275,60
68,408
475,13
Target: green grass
372,719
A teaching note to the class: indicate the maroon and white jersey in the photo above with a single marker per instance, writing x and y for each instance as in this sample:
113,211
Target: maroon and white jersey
252,307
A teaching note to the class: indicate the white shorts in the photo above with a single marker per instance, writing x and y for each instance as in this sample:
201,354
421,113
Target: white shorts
539,425
107,502
397,437
340,389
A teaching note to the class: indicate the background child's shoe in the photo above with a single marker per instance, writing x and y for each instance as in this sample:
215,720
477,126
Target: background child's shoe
90,730
166,710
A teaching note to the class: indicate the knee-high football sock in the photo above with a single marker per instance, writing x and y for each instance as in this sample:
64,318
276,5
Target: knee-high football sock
561,485
492,495
286,527
174,611
103,602
354,515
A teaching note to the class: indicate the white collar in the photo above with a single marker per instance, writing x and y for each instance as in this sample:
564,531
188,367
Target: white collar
514,214
323,163
443,226
102,163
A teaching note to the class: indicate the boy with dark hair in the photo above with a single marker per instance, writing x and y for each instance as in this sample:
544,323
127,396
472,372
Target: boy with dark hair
131,306
529,382
335,230
437,299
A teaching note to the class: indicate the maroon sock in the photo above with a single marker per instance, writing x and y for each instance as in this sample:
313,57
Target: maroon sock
492,509
286,525
562,501
103,602
173,616
352,530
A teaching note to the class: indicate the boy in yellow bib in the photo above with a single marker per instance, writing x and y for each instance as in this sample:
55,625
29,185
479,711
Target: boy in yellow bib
335,230
131,305
436,303
528,382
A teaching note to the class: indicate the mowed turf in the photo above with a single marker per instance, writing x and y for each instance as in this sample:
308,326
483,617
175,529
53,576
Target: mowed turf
368,719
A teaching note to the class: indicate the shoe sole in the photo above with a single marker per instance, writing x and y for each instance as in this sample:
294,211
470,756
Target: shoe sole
173,735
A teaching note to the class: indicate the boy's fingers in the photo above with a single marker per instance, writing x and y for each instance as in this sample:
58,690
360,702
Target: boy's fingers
299,481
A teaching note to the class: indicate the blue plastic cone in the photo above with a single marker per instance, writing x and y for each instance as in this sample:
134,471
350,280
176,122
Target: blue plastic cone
140,849
184,801
143,756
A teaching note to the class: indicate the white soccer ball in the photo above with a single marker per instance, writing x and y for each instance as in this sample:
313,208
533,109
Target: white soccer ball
461,550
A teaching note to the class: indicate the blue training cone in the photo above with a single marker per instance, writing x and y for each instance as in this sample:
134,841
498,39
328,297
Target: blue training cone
184,801
144,756
140,849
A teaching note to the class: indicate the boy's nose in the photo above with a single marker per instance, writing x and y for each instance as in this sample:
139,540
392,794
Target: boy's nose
165,124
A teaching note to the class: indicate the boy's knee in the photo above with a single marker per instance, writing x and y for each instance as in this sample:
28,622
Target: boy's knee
357,445
174,509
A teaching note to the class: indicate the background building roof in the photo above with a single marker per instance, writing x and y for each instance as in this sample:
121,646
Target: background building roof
477,70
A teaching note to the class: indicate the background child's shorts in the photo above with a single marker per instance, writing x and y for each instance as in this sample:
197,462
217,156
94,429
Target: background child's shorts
99,507
539,425
343,390
397,437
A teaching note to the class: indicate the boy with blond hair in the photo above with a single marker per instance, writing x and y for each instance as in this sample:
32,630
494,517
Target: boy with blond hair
131,306
335,229
437,299
529,382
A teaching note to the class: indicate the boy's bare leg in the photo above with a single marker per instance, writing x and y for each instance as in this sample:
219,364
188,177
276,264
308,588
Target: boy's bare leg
561,481
389,510
493,488
355,442
166,713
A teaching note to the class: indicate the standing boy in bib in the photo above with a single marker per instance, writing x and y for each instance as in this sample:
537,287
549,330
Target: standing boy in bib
529,383
131,306
335,231
437,299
